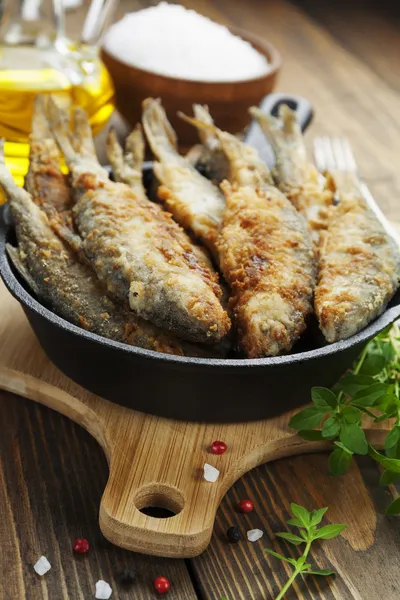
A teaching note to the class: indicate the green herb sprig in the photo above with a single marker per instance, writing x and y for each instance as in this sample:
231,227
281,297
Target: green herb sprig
372,388
306,522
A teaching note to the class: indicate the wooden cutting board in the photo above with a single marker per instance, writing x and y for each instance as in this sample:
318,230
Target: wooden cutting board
153,461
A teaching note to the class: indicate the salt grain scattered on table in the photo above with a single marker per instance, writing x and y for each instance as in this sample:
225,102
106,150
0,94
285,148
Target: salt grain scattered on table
103,590
254,534
42,566
170,40
210,473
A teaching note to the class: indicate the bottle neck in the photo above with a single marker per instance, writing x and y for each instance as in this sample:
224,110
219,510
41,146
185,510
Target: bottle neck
37,23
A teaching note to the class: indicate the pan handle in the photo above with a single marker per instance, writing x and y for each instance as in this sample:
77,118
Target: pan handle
270,105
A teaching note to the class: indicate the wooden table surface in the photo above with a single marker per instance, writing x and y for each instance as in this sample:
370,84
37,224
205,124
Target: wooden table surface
52,472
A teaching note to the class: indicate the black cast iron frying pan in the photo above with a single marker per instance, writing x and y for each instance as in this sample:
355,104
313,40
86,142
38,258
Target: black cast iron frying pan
195,389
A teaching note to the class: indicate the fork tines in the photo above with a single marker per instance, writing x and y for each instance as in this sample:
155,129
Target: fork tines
332,154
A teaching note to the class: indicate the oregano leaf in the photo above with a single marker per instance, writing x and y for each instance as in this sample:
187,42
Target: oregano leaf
291,538
295,523
300,513
394,508
373,364
316,516
353,437
388,477
370,395
328,531
308,418
351,414
330,428
339,461
323,397
392,437
351,384
277,555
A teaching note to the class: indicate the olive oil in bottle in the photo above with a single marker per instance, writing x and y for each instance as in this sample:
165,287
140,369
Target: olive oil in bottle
36,57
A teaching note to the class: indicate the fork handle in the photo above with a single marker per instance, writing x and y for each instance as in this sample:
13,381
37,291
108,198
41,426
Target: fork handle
270,105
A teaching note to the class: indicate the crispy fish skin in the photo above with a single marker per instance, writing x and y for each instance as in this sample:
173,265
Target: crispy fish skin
359,267
129,245
300,181
265,254
68,287
266,257
127,168
45,182
195,202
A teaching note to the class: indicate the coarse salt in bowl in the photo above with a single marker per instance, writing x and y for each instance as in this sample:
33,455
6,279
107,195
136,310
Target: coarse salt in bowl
170,40
172,53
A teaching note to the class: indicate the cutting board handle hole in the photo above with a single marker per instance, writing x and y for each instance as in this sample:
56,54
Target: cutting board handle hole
159,501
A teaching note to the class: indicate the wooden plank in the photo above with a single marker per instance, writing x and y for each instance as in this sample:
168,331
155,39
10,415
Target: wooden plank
52,475
367,28
244,571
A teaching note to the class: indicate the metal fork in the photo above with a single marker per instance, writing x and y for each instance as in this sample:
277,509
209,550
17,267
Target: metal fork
336,156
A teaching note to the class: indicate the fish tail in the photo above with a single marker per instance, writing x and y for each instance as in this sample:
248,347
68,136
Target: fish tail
285,136
135,146
202,125
271,126
83,140
288,118
230,144
40,124
207,137
159,132
115,155
127,167
59,124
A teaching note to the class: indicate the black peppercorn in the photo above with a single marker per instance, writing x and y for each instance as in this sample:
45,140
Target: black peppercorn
127,576
234,534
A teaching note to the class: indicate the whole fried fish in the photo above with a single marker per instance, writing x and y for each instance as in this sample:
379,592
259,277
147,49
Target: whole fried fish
127,168
359,265
195,202
265,254
66,286
300,181
45,181
358,261
128,242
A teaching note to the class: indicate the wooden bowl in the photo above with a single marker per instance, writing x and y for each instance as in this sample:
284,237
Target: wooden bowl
228,101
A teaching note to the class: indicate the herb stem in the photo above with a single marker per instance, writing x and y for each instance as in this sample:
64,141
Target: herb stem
361,360
296,572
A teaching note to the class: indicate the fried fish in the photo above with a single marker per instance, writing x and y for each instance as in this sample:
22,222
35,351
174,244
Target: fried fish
65,285
195,202
45,181
358,261
359,265
265,254
300,181
128,242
